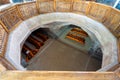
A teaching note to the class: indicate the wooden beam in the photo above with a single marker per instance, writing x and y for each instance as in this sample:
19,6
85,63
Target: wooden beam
54,5
118,44
56,75
6,64
114,67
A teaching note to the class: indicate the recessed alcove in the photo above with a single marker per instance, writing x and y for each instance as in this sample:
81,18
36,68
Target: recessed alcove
65,48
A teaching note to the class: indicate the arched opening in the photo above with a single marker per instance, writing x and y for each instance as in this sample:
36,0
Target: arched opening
95,30
64,48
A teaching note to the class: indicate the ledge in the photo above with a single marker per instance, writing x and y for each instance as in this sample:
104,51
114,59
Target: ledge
57,75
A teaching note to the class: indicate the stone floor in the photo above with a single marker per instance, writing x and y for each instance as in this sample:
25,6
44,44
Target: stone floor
58,56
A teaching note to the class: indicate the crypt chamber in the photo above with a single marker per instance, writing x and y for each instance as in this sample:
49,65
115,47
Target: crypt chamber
65,36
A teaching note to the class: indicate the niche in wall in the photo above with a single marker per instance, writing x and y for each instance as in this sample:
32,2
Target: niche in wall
32,45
